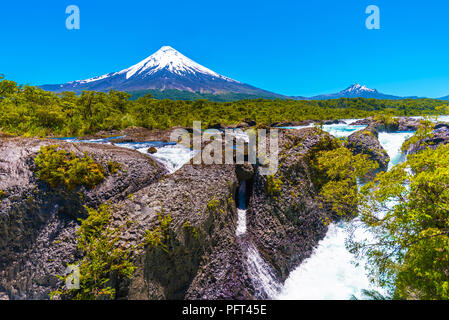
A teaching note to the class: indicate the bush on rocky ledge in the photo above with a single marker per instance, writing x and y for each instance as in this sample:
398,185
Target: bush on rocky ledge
62,168
342,169
104,260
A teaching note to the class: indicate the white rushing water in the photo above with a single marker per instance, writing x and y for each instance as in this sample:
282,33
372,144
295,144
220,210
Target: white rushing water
241,223
329,273
171,155
259,271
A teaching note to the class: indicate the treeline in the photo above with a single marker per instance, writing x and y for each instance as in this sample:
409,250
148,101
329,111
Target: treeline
174,94
27,110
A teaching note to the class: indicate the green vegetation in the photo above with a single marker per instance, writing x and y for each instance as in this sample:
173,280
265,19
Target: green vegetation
407,209
423,132
2,194
159,236
26,110
62,168
339,170
114,167
104,259
388,120
274,185
213,204
173,94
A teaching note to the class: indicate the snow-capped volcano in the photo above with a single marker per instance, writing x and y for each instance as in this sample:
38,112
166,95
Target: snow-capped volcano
172,60
356,91
165,69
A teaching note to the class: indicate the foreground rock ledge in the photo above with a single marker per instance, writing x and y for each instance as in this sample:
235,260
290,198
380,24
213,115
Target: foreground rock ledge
38,224
204,259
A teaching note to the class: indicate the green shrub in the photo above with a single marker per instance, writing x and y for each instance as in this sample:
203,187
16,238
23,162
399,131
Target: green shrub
424,131
274,185
213,204
341,170
62,168
2,194
103,258
159,236
389,122
114,167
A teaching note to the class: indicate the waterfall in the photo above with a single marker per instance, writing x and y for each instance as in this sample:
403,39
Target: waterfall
241,223
260,273
329,273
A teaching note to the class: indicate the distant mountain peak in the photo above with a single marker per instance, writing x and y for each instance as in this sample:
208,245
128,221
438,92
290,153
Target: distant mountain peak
356,91
358,88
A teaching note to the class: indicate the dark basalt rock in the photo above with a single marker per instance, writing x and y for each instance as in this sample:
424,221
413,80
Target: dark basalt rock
152,150
38,224
366,142
287,226
408,124
247,123
244,172
441,126
328,122
204,258
402,124
440,136
363,122
208,266
292,123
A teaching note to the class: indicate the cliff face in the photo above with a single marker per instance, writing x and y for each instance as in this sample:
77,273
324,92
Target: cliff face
201,256
202,259
439,136
284,216
37,223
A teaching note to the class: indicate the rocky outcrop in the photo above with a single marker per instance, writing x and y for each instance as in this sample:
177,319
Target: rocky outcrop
292,123
439,136
38,224
329,122
203,259
131,134
285,219
366,142
363,122
399,124
408,124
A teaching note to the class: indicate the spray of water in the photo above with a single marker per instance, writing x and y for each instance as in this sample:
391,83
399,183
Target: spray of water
330,272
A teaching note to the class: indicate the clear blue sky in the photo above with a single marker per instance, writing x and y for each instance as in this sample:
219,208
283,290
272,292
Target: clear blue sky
291,47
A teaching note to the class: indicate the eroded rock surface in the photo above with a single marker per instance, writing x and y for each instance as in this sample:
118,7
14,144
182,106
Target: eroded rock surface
38,223
366,142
